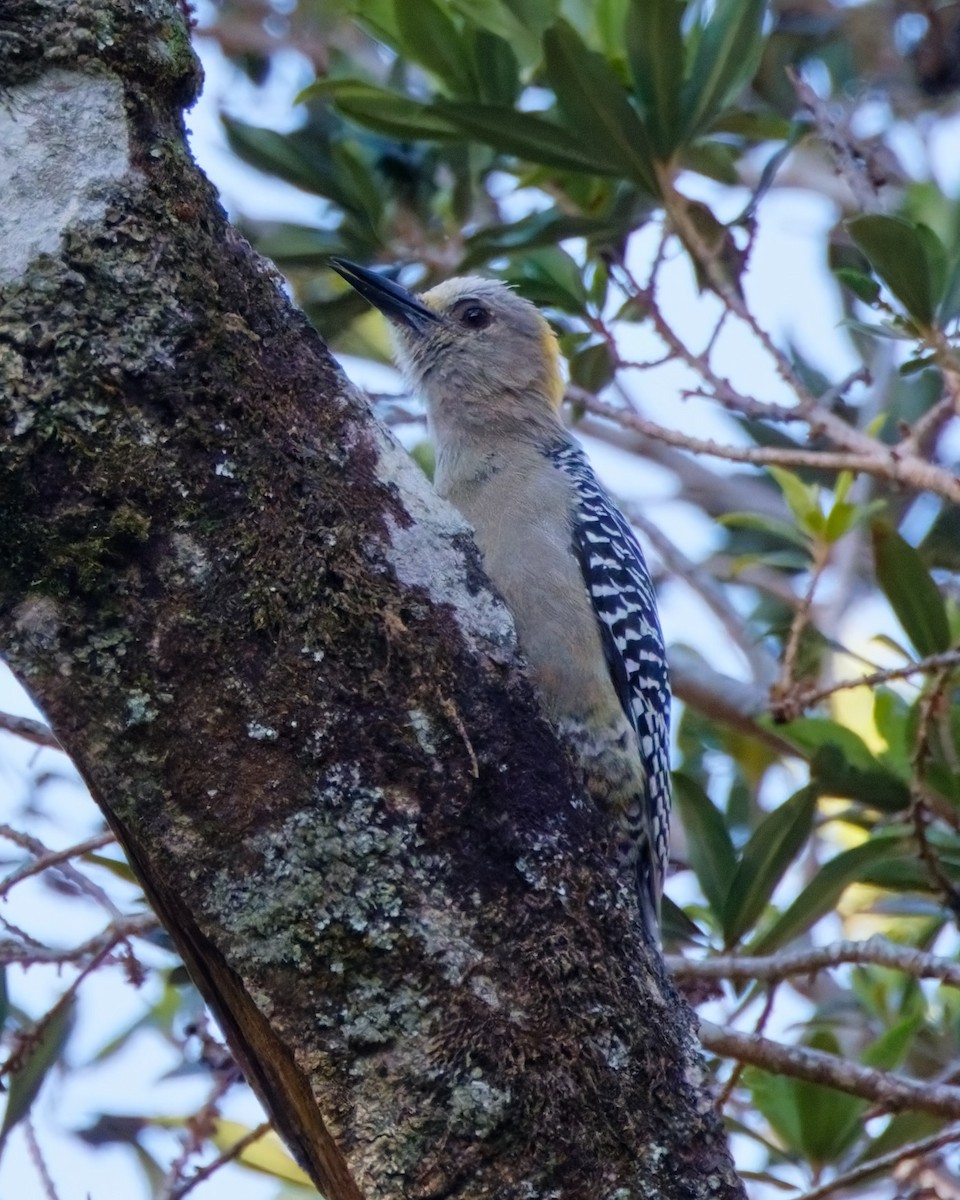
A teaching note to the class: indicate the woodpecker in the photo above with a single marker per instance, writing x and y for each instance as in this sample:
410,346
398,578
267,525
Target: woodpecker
555,545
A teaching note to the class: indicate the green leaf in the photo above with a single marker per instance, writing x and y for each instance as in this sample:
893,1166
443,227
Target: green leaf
709,847
550,277
755,125
769,525
835,775
726,53
914,365
384,111
899,254
890,1048
863,286
365,197
840,520
913,595
509,21
495,67
303,161
655,55
715,160
524,135
935,254
772,847
676,926
118,867
45,1045
428,36
903,1128
379,17
802,499
595,105
609,18
536,230
774,1097
592,367
810,734
950,304
891,715
823,893
829,1120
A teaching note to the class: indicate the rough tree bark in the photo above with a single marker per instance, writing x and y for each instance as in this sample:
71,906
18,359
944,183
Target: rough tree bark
270,651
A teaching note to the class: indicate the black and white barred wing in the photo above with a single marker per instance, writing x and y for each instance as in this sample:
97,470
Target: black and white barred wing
615,573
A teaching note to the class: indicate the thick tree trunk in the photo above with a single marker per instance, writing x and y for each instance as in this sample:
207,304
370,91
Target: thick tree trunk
270,651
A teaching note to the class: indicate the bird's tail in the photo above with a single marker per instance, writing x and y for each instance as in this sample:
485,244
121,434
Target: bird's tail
649,887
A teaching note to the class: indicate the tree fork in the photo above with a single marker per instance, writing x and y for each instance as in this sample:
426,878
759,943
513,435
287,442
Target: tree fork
271,653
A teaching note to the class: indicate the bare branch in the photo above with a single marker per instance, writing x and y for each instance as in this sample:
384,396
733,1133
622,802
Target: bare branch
227,1156
66,869
39,1162
925,431
730,701
890,1092
715,494
807,697
866,166
871,457
12,950
29,729
920,805
876,951
54,858
801,616
884,1163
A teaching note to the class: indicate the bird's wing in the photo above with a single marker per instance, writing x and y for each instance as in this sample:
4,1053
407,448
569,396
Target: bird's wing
617,579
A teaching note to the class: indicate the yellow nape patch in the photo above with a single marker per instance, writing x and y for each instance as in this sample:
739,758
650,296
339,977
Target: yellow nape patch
551,354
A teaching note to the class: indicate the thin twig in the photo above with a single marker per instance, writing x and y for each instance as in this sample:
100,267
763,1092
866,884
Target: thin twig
28,842
227,1156
26,954
738,1068
890,1092
919,809
29,729
54,858
876,951
39,1162
860,452
881,460
858,162
732,702
884,1163
26,1039
781,693
928,427
807,697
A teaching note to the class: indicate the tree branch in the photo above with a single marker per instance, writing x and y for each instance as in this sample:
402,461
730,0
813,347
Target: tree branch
884,1163
877,459
877,951
29,729
893,1093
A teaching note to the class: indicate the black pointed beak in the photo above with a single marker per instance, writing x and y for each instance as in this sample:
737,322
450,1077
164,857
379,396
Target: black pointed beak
394,301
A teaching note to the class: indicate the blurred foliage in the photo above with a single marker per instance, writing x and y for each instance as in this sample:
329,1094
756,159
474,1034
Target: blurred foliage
537,140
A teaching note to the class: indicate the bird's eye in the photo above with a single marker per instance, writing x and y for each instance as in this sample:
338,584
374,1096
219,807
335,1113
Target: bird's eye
475,316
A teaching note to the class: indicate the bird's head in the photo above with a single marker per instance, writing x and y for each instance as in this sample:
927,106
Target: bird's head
471,344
